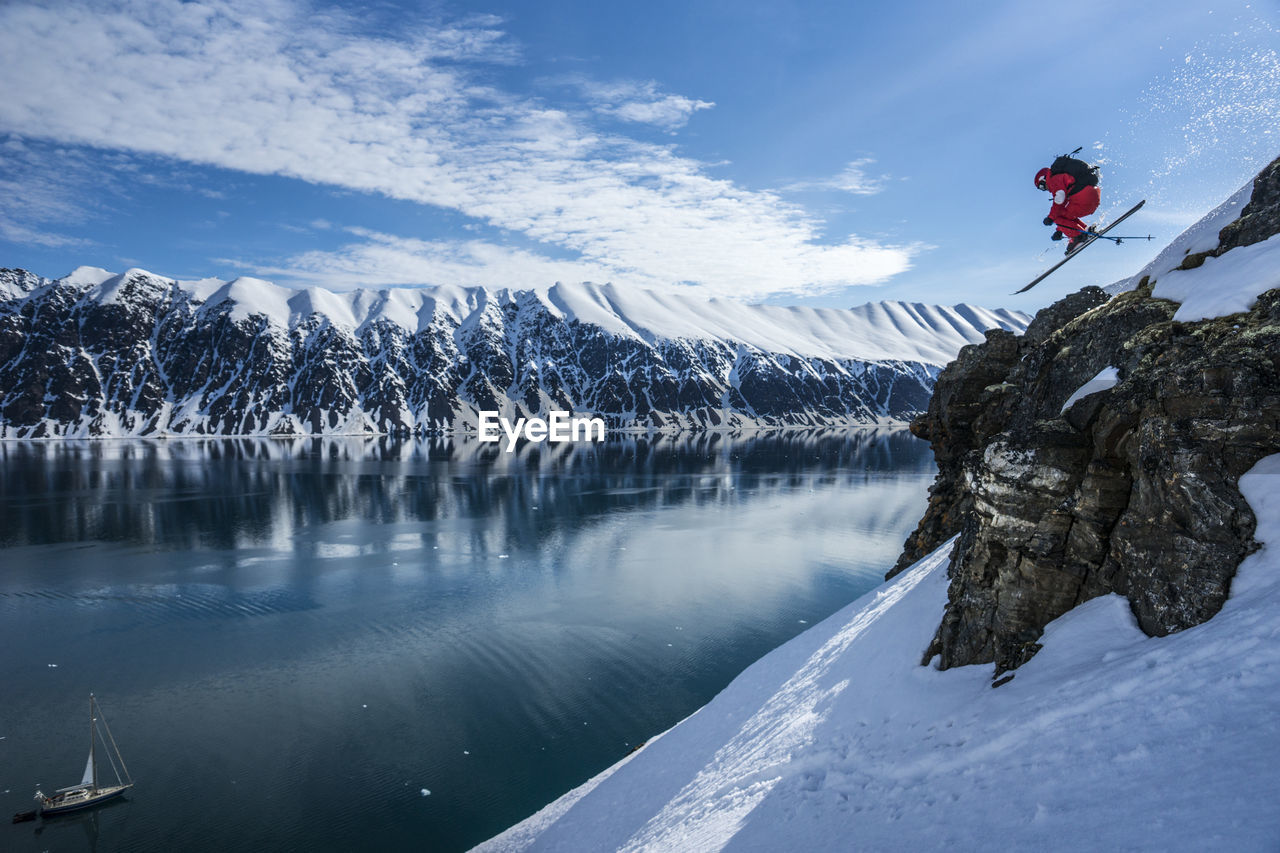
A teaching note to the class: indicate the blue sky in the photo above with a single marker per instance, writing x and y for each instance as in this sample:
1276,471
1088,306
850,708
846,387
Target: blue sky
797,153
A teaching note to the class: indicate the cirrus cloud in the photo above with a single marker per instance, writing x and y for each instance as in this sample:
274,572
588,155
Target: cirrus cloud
852,179
642,102
375,259
279,88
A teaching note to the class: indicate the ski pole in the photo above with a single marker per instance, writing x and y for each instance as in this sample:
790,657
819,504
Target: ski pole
1086,231
1117,239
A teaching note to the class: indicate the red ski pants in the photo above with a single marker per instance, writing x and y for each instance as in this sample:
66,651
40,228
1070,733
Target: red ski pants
1067,215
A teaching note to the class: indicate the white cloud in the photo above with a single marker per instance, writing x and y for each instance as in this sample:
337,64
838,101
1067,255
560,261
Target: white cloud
40,199
852,179
642,102
278,88
16,232
379,259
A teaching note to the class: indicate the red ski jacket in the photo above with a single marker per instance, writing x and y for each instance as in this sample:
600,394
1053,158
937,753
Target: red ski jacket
1067,208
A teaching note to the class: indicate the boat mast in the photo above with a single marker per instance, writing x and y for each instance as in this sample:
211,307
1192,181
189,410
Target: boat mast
93,739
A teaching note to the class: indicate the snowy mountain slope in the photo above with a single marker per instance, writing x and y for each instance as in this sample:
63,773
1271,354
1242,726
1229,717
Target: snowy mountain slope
1199,237
840,740
101,354
1108,735
1249,270
884,331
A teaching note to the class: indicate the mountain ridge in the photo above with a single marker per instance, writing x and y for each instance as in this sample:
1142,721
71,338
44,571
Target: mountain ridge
98,354
644,314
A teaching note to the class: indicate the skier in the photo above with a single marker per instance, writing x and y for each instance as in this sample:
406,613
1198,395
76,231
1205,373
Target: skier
1074,186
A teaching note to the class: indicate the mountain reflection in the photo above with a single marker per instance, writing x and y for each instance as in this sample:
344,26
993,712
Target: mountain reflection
238,493
494,627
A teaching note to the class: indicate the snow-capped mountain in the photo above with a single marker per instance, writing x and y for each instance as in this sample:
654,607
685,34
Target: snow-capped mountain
104,354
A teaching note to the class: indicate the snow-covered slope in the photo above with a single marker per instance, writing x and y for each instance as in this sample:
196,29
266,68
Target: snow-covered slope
883,331
1105,739
1228,284
840,740
97,354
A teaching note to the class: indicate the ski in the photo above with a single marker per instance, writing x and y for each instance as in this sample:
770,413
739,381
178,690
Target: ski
1130,212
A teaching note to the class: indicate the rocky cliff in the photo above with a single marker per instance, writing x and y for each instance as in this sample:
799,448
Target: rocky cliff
1099,452
99,354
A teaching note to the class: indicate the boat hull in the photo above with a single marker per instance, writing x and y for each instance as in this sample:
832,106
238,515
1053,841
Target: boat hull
62,804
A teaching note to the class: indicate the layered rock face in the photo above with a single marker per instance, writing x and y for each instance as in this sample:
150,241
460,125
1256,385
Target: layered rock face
1061,497
137,354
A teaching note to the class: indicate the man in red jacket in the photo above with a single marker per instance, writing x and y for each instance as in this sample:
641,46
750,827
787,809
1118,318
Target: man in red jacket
1070,202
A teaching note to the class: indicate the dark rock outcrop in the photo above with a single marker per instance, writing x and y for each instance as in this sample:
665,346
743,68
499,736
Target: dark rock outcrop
1131,489
959,418
1257,221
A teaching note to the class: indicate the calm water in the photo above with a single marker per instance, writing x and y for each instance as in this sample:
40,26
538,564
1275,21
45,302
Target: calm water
291,640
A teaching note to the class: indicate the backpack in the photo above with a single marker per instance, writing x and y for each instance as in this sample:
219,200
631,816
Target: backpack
1083,174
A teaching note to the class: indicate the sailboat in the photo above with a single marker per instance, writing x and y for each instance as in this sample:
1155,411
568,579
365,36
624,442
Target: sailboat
88,792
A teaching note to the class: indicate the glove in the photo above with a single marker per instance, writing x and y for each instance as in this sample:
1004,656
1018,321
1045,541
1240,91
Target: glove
1048,220
1056,235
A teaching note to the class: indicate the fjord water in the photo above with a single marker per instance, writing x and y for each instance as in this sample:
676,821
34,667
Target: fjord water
341,644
